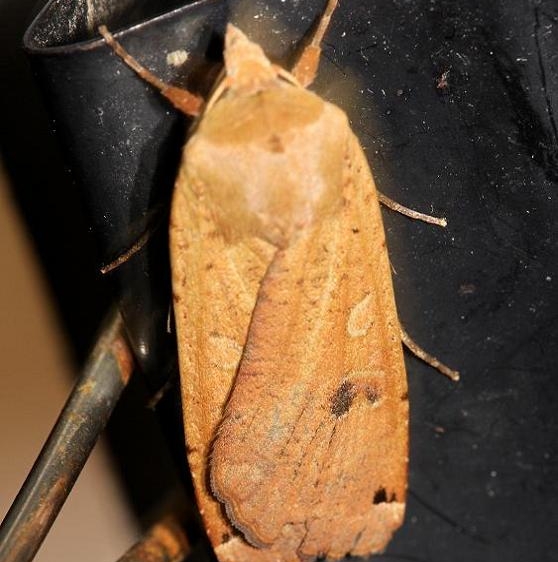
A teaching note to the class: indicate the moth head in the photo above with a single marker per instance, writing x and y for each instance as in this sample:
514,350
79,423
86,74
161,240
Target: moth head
248,69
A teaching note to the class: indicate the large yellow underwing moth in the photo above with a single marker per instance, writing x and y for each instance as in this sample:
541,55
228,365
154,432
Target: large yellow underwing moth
293,382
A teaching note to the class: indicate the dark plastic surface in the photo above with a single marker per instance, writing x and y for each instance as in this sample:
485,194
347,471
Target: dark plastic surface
123,144
455,103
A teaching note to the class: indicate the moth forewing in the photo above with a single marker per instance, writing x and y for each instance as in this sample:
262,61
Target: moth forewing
215,286
312,450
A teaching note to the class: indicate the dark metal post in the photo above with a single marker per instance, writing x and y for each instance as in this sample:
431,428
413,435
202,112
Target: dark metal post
67,448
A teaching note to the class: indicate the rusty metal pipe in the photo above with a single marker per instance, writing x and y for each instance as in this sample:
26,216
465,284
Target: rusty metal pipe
68,446
166,541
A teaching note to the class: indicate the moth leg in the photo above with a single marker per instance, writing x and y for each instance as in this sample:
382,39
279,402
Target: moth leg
306,67
183,100
157,218
395,206
416,350
125,256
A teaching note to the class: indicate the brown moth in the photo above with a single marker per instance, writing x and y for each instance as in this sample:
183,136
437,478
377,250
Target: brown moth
293,382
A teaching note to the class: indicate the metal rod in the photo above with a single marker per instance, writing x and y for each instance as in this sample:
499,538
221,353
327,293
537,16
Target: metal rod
68,446
165,541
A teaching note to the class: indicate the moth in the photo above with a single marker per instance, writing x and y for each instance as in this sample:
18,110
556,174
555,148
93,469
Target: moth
293,383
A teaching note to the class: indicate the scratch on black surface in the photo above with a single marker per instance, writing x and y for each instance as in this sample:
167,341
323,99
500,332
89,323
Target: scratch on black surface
457,526
542,70
331,59
409,557
531,338
532,131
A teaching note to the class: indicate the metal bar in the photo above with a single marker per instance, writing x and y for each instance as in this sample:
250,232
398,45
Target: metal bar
165,541
68,446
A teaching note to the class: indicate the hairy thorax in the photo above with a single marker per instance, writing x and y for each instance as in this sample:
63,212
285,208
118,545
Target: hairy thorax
270,163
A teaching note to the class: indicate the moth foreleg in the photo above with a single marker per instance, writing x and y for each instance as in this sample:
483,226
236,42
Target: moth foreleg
183,100
306,67
411,213
127,254
415,349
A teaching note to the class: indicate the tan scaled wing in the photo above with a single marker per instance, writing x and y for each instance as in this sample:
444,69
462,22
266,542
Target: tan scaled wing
215,285
313,448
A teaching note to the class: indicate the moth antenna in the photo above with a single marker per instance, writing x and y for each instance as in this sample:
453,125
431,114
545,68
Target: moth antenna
306,67
411,213
287,76
222,87
181,99
416,350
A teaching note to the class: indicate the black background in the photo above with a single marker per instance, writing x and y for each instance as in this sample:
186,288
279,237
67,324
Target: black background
480,150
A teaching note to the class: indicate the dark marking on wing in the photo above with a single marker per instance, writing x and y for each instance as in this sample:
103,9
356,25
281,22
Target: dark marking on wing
372,394
381,496
275,144
343,398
